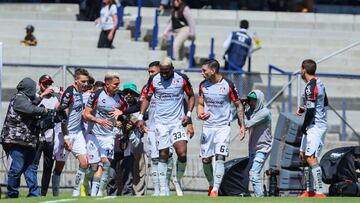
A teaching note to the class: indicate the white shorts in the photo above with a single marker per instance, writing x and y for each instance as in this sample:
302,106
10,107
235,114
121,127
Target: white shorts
106,146
312,143
92,149
78,146
215,140
167,135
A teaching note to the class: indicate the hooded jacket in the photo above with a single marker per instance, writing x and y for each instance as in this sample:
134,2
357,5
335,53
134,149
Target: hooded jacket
258,123
20,122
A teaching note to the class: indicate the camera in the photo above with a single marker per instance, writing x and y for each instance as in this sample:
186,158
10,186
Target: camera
49,121
273,188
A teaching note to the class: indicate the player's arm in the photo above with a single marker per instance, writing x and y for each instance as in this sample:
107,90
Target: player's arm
311,94
200,107
90,107
65,102
145,98
234,97
190,93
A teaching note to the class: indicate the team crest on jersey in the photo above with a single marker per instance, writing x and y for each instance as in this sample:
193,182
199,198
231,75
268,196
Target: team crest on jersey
103,101
222,89
174,82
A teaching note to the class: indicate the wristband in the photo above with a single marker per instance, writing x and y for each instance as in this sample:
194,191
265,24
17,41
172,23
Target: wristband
188,114
66,137
140,117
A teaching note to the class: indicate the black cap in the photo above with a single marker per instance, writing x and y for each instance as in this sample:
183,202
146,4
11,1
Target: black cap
30,28
46,79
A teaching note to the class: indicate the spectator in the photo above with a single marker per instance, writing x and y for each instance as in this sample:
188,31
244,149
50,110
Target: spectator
181,25
238,47
108,22
30,39
19,138
258,123
49,99
131,95
163,5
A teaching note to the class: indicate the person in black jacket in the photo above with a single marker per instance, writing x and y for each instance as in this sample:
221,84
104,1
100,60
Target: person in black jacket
348,175
19,137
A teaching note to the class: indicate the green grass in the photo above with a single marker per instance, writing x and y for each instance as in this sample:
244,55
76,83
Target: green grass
187,199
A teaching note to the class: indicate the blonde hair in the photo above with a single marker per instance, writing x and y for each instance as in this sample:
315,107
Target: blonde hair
166,62
111,76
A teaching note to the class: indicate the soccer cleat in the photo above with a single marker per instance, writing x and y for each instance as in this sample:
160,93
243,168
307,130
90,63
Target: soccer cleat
307,194
209,190
83,190
213,193
178,188
319,195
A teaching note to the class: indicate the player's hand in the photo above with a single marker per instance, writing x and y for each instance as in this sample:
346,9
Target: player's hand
242,133
129,126
302,156
68,145
300,111
117,112
185,120
203,116
190,130
104,122
47,91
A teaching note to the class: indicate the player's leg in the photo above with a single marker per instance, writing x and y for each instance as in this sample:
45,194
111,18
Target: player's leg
60,156
154,155
313,148
221,141
79,151
207,151
162,134
307,173
107,154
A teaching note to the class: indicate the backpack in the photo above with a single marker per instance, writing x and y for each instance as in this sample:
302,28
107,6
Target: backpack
329,164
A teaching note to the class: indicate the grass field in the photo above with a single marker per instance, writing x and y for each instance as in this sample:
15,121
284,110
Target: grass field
185,199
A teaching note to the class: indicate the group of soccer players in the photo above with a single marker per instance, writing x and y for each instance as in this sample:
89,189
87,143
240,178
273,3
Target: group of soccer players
90,129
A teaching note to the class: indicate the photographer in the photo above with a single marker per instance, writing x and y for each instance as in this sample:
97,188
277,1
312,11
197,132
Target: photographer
258,123
49,99
19,138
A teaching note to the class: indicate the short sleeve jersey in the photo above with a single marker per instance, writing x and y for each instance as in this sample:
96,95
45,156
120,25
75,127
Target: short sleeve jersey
103,104
73,100
217,101
315,97
106,16
168,96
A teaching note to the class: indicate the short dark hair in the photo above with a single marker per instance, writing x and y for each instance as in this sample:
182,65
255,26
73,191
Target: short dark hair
244,24
154,63
81,71
99,84
91,80
310,66
213,63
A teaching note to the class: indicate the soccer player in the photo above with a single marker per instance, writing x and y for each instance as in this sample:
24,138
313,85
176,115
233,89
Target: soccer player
313,128
216,94
73,131
167,89
101,110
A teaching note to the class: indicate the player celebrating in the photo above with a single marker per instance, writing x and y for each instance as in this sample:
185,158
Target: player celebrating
313,128
73,139
105,103
215,96
168,88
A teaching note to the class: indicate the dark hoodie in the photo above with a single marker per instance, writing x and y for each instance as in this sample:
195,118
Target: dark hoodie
20,121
